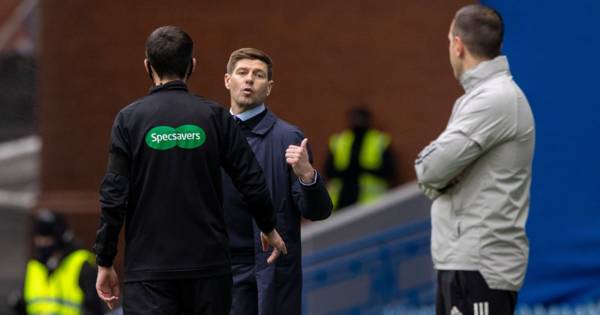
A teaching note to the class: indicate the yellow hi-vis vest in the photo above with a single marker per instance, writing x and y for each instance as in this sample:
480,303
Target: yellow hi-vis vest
370,158
58,293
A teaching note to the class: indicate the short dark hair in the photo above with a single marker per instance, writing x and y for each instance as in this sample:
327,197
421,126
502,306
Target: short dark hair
480,28
169,51
252,54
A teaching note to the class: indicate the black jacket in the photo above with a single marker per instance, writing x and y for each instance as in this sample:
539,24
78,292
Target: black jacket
164,181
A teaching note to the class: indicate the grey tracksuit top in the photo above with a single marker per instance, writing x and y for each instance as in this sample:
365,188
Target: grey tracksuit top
478,171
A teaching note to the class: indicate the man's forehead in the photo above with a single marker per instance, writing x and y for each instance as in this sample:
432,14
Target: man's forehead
250,63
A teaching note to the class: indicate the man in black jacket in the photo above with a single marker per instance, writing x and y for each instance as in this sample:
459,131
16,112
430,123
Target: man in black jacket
296,189
164,181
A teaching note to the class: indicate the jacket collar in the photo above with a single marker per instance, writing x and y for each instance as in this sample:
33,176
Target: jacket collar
483,71
265,124
169,86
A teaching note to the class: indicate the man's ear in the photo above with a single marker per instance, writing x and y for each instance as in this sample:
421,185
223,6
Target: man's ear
270,87
148,68
459,46
194,63
191,68
147,65
227,80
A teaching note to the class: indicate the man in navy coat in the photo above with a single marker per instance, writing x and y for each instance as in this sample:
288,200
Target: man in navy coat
296,188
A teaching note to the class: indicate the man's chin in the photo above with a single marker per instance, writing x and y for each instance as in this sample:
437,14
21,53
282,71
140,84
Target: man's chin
248,103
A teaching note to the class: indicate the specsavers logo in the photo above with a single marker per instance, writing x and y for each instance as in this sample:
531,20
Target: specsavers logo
185,137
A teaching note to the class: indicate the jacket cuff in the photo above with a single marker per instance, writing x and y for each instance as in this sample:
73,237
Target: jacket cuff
104,261
314,181
268,225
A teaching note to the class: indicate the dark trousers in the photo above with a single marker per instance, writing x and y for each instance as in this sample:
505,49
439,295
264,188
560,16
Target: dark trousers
280,284
268,290
188,296
245,293
467,293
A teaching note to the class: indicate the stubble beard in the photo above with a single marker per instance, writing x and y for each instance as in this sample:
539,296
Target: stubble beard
246,103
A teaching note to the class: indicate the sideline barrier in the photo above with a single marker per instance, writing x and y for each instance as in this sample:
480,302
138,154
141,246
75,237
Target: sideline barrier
364,276
366,258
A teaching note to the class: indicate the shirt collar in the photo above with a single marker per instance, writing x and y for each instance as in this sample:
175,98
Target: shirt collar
249,113
483,71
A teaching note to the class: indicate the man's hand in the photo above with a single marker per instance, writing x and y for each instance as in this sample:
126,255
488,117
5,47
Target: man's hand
453,182
274,240
430,192
297,158
107,285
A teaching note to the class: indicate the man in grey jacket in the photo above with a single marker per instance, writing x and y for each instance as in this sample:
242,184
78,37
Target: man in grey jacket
478,173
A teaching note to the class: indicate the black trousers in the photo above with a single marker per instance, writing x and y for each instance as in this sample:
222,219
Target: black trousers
467,293
189,296
245,292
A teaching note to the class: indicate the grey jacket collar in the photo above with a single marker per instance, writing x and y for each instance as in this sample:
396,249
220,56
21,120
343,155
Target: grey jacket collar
483,71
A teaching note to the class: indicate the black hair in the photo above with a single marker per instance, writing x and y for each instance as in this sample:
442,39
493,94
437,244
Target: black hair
481,29
169,52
